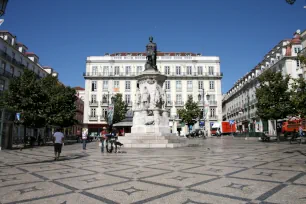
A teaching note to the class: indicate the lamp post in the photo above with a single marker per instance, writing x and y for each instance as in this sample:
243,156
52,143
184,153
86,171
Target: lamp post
3,4
203,98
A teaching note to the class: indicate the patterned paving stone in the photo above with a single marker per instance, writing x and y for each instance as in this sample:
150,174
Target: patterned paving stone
189,197
213,170
10,171
92,181
301,180
178,179
10,180
289,194
64,173
234,163
172,166
283,166
42,167
131,192
266,175
71,198
237,187
30,191
138,173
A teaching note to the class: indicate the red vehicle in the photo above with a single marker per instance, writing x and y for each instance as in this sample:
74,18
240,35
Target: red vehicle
225,128
289,126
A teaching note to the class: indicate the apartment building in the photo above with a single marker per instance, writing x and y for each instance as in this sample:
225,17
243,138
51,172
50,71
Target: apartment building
187,74
239,103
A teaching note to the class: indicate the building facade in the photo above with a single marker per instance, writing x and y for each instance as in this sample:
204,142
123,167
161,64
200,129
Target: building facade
14,58
239,103
77,129
187,74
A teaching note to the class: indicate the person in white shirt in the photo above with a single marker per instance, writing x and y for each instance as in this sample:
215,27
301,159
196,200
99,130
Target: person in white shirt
84,138
58,140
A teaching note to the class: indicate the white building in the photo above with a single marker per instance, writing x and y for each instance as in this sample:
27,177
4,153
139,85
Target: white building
239,103
187,73
14,58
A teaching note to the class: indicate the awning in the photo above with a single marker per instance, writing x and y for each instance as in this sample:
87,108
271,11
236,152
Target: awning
123,124
216,125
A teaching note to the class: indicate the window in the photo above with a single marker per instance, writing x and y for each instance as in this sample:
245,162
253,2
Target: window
189,85
167,70
127,70
200,84
127,98
178,85
212,112
2,83
93,98
93,85
211,85
3,65
27,65
105,98
168,98
139,69
94,70
179,98
13,55
105,85
189,70
278,57
21,62
116,84
93,112
104,112
168,87
211,70
298,63
12,70
105,70
127,85
117,69
178,70
5,49
200,70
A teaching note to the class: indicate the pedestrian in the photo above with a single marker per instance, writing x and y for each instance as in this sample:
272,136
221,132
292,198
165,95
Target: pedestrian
58,140
103,138
84,139
301,130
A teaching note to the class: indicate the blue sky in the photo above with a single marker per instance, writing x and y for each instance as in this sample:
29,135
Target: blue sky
64,32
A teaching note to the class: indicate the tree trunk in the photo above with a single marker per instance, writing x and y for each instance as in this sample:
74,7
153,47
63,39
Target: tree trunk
277,135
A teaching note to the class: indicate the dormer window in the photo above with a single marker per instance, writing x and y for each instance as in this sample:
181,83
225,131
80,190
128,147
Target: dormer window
188,54
177,54
139,54
272,61
129,54
167,54
117,54
106,54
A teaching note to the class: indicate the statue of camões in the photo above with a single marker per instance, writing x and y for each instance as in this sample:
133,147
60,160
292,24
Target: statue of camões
151,51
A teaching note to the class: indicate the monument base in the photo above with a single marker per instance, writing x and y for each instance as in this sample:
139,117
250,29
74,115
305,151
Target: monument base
152,140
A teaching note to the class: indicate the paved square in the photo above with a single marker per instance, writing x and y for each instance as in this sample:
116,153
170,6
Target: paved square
224,170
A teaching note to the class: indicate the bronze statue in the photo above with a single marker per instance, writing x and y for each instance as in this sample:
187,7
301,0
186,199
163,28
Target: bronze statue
151,50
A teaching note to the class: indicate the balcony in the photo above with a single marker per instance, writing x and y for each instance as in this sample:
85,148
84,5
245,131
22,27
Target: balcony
179,103
6,73
93,103
213,117
134,74
102,118
104,103
213,103
93,118
169,103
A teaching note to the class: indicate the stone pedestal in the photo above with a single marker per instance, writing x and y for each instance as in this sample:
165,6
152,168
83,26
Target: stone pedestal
151,119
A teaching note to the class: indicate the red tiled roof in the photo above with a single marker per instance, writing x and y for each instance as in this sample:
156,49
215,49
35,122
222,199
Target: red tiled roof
31,54
158,53
21,44
79,88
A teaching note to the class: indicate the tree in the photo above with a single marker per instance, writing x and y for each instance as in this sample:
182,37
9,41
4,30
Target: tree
273,96
120,108
24,96
291,2
60,109
298,96
190,112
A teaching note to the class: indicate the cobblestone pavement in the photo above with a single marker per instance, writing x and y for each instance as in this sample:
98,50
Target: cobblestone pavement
223,171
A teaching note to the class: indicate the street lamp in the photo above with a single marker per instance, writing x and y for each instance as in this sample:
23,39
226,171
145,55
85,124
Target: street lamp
3,4
203,98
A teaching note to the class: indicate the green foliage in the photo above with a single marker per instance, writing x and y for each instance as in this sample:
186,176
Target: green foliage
120,108
273,96
60,109
298,96
25,96
41,102
190,112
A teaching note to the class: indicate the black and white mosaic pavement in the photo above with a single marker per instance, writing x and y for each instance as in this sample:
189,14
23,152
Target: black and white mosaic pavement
224,170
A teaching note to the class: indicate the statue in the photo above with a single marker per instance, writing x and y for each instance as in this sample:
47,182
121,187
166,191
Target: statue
157,98
138,98
145,98
151,50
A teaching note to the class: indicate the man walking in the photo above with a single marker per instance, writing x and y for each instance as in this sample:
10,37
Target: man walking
102,138
58,140
84,139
